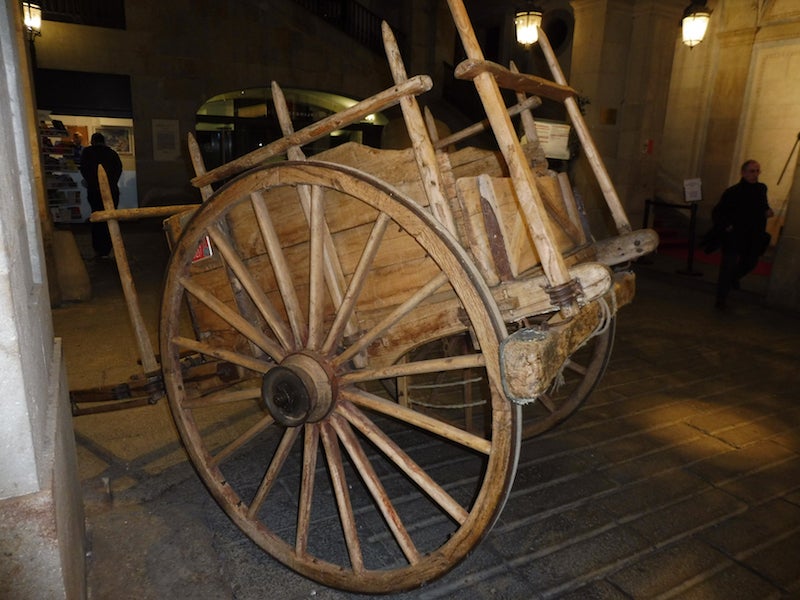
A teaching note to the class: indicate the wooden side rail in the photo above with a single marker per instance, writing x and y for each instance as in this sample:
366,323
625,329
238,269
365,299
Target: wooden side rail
519,82
133,214
481,126
390,97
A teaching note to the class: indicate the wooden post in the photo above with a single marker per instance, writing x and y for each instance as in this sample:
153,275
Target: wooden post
424,152
578,122
146,353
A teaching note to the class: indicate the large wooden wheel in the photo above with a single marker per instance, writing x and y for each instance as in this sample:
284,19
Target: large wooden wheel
311,279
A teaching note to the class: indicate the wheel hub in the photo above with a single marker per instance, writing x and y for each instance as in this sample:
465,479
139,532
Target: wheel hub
297,391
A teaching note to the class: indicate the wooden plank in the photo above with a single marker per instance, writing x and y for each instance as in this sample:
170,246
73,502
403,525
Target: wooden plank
520,250
571,206
626,247
519,82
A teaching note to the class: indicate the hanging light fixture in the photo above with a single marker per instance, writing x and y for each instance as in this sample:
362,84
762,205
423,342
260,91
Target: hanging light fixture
527,23
32,17
695,22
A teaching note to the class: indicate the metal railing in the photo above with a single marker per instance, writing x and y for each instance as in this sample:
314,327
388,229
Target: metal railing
351,18
98,13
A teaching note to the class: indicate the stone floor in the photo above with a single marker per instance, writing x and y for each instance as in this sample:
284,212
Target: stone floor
679,477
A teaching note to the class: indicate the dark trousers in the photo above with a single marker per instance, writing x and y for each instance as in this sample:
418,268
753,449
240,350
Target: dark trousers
736,263
101,238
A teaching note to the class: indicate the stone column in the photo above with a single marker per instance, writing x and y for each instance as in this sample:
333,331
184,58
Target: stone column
621,63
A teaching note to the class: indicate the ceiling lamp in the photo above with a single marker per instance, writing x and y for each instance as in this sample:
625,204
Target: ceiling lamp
527,23
695,22
32,17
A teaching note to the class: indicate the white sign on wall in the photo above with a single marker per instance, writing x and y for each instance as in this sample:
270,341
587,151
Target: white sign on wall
693,190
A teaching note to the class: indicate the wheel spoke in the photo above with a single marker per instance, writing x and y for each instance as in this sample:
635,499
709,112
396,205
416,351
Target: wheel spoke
395,316
283,273
435,426
310,446
316,288
234,319
275,465
394,453
262,303
575,367
334,275
343,503
419,367
222,397
547,401
240,441
356,283
248,362
376,489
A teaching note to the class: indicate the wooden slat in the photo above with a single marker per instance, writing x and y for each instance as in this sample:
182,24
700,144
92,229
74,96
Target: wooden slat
310,453
343,502
376,489
396,454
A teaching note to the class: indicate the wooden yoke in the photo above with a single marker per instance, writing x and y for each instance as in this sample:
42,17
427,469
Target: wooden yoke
564,287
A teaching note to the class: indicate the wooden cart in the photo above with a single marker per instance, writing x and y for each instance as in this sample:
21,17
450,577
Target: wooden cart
383,326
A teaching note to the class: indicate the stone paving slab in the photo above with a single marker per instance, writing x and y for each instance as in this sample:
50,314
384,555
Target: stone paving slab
679,478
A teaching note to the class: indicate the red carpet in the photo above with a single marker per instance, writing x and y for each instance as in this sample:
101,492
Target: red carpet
678,250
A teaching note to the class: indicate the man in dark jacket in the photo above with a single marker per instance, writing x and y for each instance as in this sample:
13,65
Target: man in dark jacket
91,157
740,218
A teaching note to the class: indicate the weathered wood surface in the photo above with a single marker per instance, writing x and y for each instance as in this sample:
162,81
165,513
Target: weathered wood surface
519,82
531,358
424,152
623,248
